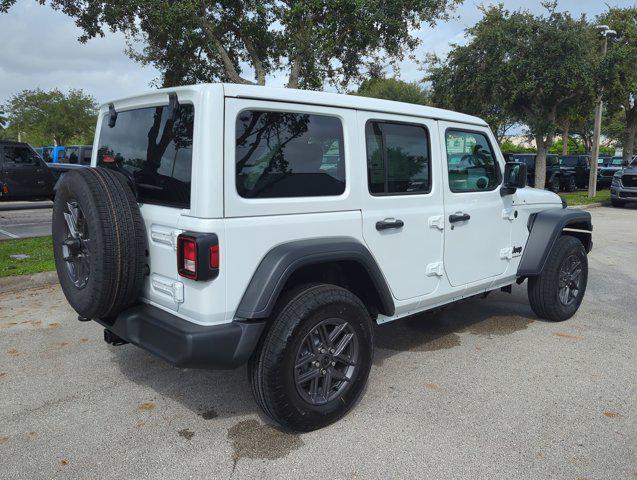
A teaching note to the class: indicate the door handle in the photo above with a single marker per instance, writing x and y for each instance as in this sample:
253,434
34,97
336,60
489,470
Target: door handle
389,223
459,217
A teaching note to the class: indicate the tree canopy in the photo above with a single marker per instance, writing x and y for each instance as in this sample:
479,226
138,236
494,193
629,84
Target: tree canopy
520,67
244,41
394,89
42,118
618,72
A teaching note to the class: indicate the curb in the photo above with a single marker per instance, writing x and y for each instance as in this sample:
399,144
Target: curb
586,207
26,282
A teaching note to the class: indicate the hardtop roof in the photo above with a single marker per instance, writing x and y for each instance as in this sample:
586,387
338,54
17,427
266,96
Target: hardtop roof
310,97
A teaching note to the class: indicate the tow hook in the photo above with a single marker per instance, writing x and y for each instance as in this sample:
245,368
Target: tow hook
112,339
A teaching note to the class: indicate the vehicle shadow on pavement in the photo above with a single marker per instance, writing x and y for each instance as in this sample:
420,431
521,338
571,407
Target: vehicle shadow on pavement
207,393
226,393
498,314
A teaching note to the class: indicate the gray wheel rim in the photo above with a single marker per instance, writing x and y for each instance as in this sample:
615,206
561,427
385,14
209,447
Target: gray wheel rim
326,361
570,280
75,250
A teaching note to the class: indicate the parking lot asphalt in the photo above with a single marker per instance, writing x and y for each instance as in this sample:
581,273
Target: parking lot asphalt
482,389
25,219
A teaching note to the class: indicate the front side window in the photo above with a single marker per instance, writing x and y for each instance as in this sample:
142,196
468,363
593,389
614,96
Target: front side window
397,158
153,150
471,164
285,154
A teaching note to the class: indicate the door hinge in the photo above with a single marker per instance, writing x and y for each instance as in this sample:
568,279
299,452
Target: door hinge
435,269
168,286
165,235
508,213
437,222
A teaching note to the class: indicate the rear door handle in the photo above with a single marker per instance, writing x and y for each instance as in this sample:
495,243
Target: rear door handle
389,223
459,217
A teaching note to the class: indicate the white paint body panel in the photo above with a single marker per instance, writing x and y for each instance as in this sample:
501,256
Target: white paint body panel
425,264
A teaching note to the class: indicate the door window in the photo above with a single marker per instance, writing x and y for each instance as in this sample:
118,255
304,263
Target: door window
471,164
397,158
285,154
20,156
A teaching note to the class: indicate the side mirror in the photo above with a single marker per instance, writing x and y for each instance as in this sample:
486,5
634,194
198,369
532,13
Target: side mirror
514,177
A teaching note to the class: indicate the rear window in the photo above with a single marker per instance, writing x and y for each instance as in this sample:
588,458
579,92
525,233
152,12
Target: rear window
154,152
281,154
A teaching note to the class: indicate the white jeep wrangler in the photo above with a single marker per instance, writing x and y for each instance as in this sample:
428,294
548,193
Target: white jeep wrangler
232,224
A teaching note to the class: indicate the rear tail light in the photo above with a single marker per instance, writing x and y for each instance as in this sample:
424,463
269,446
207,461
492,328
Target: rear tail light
198,255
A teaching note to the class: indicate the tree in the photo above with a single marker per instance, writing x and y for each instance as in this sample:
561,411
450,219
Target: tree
508,66
244,41
456,87
394,89
618,72
42,118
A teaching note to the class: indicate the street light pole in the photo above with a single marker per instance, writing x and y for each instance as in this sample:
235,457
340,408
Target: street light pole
592,179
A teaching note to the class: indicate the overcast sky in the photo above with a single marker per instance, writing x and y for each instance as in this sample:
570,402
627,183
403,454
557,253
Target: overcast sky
39,48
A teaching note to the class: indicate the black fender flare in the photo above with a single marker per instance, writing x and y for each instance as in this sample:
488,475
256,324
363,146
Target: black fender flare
545,227
282,261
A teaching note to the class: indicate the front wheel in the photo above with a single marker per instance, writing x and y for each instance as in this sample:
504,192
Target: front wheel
557,292
617,203
313,363
571,186
554,185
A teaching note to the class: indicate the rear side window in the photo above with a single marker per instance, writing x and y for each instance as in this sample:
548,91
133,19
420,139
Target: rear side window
281,154
86,156
471,164
397,158
153,151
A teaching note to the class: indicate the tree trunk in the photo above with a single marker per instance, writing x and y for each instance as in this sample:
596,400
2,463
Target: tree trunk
631,132
565,139
540,162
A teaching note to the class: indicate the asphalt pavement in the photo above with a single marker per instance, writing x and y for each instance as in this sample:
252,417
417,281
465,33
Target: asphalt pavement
25,219
481,390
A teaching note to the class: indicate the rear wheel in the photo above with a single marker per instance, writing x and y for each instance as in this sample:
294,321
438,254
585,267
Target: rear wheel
312,365
557,292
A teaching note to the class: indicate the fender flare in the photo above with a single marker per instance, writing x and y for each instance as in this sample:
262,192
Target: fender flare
545,227
282,261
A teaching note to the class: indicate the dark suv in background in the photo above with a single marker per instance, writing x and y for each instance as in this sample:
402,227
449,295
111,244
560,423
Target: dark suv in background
579,165
23,174
605,173
624,186
556,178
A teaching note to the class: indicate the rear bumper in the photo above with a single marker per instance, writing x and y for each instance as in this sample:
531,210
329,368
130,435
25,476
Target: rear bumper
183,343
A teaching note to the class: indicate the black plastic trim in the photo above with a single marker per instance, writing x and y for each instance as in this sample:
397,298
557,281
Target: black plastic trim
283,260
545,228
183,343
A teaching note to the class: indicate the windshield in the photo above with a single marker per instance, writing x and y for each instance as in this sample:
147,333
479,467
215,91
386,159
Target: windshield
634,162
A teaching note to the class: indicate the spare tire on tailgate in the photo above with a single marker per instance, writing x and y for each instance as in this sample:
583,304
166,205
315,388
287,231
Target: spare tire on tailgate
99,242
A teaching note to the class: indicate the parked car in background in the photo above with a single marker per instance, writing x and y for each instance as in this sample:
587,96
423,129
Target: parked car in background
50,154
77,154
556,178
605,173
23,174
624,186
580,165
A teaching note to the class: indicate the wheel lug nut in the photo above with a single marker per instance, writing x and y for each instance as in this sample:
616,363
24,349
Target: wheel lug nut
333,364
323,372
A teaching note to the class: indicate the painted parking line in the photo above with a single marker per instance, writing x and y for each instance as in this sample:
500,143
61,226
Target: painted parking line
8,234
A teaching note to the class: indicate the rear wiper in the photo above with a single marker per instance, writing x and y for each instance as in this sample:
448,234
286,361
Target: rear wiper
112,115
